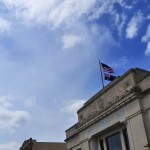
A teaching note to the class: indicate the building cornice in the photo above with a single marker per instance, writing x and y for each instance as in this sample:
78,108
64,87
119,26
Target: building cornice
111,107
105,89
113,83
127,97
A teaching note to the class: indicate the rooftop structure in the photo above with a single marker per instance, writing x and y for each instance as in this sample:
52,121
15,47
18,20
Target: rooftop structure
116,118
31,144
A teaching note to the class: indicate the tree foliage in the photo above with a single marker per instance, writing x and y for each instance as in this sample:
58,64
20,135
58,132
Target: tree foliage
148,146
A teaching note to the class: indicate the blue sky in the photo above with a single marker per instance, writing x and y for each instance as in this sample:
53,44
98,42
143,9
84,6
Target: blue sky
49,52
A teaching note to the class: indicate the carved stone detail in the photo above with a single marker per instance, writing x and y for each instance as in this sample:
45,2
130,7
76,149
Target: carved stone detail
127,84
100,103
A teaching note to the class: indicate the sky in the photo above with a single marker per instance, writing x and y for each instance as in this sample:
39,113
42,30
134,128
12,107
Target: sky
49,60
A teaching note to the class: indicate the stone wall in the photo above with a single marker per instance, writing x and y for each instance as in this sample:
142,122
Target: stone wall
106,99
124,103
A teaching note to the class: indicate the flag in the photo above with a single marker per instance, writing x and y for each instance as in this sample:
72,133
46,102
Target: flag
106,68
109,77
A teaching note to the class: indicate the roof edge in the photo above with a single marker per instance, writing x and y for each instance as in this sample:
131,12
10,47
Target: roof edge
106,88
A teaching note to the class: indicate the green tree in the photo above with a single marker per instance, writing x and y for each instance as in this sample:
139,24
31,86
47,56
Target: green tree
148,146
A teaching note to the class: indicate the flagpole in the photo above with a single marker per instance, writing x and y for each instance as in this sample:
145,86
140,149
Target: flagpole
101,73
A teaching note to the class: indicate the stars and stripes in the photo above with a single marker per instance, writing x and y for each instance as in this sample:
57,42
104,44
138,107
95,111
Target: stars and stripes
107,69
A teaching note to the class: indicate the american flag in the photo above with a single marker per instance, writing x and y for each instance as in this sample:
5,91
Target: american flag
106,68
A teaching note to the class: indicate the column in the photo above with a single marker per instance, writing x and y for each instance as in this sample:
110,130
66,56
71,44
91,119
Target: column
136,132
93,144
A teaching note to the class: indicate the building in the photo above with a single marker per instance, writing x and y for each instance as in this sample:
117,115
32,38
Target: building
116,118
34,145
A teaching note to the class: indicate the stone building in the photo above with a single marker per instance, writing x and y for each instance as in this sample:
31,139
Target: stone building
116,118
34,145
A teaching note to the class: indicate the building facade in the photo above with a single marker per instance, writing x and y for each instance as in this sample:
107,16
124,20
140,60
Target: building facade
116,118
34,145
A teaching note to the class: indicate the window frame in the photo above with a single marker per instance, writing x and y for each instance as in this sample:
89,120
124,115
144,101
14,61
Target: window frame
116,133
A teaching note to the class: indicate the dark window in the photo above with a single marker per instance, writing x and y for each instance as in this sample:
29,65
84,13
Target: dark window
101,144
114,142
126,139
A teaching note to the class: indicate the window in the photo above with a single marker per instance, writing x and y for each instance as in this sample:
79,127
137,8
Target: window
126,140
101,144
114,142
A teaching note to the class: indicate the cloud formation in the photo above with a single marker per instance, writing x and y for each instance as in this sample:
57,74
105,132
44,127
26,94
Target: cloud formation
146,39
9,146
70,40
147,51
73,106
11,119
51,11
134,25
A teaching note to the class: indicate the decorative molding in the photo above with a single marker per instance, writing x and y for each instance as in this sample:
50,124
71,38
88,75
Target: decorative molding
111,107
100,103
127,84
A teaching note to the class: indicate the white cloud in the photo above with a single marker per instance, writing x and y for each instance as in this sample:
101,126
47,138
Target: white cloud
70,10
70,40
11,119
134,25
9,146
51,11
4,25
73,106
56,12
107,7
104,7
146,37
5,101
70,110
148,17
120,21
147,51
